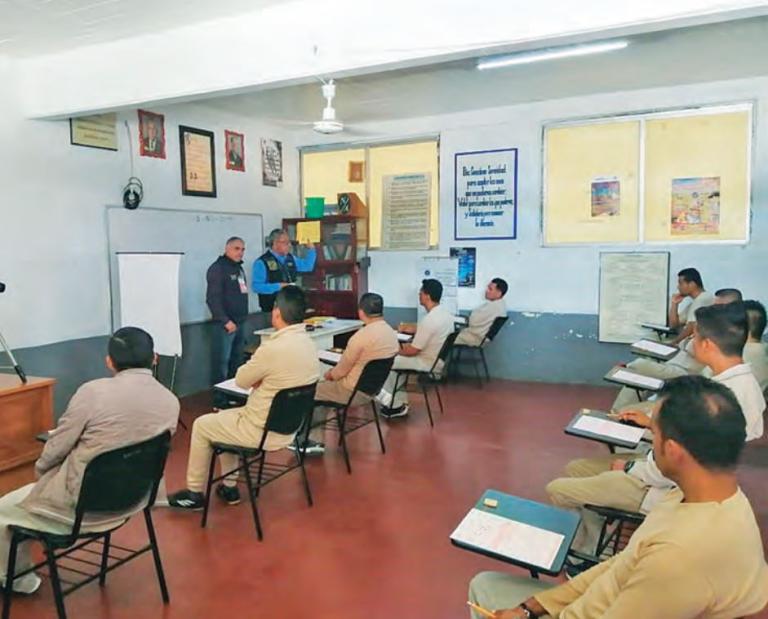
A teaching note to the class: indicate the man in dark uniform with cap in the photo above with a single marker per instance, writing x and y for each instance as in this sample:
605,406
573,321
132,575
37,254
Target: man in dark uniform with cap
278,267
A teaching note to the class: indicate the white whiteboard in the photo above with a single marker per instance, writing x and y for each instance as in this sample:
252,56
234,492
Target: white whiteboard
149,297
199,235
633,289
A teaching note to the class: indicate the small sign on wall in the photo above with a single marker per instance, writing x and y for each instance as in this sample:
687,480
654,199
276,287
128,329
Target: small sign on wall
485,184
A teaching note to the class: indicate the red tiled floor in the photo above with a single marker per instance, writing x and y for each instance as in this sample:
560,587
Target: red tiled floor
375,545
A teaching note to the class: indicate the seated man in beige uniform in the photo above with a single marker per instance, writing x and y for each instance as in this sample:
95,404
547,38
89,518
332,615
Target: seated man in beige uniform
287,358
376,340
633,482
682,363
104,414
682,314
422,351
698,555
755,353
481,318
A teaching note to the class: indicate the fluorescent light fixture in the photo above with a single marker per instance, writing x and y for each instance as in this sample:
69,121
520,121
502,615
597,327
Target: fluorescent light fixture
495,62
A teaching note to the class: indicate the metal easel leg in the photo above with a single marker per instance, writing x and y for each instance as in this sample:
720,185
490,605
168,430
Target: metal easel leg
14,364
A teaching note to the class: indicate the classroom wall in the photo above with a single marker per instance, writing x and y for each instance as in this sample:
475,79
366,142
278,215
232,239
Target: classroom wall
53,250
554,291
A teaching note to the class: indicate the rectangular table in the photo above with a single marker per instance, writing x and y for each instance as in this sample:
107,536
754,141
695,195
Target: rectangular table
574,428
539,515
323,335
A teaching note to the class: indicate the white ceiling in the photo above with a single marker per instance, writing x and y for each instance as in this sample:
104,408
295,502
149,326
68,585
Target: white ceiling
721,51
31,27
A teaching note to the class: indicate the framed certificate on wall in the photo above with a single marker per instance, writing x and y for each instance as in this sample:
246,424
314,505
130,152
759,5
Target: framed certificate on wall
198,164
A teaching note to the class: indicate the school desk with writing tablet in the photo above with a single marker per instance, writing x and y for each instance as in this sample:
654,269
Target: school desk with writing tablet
599,426
525,533
659,330
633,380
653,350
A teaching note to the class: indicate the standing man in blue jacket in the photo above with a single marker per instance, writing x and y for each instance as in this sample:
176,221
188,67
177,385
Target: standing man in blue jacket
277,267
227,298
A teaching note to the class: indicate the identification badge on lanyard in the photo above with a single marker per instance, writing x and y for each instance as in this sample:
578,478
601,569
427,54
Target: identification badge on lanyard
243,286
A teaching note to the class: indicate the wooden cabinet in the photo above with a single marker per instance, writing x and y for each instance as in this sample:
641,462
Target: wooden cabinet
25,411
340,276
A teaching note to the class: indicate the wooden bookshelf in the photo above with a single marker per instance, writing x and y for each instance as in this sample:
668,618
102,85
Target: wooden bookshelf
340,276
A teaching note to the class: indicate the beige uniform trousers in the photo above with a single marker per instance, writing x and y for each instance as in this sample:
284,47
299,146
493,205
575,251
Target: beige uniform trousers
331,391
497,591
647,367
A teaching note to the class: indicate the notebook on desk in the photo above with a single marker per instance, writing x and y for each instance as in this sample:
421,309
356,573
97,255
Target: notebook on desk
628,378
600,426
329,356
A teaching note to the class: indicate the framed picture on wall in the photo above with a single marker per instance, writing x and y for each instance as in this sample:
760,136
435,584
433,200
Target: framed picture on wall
234,150
198,163
99,131
271,163
151,134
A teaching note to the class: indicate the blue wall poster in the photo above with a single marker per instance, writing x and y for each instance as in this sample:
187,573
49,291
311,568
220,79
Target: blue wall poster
467,257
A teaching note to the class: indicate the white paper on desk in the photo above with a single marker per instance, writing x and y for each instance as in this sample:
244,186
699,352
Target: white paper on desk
654,347
516,540
329,356
460,320
654,326
610,429
230,385
404,337
637,379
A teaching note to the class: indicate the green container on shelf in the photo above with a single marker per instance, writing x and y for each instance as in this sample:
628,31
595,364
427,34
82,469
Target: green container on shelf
315,207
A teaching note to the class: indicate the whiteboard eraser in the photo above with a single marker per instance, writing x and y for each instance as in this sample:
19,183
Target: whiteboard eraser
490,502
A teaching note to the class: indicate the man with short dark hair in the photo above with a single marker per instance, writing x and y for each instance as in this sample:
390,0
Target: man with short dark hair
376,340
278,267
227,298
683,316
481,318
287,358
698,555
104,414
421,352
634,482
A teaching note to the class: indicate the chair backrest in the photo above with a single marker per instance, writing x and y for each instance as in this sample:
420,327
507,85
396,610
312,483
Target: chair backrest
445,350
123,480
374,375
496,326
290,409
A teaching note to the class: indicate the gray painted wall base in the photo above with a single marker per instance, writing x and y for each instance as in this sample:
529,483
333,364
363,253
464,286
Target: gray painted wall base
555,348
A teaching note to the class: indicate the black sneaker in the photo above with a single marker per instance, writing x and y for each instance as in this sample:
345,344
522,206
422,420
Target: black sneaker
311,448
574,568
186,499
229,494
391,413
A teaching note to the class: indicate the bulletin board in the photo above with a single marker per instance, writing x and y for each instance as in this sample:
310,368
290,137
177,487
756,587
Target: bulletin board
681,176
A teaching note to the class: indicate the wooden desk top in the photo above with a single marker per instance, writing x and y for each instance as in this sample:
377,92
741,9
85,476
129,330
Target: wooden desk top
10,383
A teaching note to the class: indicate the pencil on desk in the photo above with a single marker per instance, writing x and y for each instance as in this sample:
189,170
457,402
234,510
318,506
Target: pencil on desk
484,612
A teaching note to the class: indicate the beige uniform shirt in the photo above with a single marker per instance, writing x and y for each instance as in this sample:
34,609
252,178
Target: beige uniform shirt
376,340
104,414
431,333
480,321
686,561
687,313
756,356
287,358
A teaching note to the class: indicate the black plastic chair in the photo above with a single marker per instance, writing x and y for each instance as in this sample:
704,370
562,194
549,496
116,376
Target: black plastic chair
289,413
428,377
477,354
371,380
618,527
120,482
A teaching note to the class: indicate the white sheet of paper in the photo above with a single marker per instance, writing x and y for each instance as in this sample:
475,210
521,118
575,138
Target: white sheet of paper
655,347
610,429
229,385
460,320
404,337
638,379
655,327
330,357
512,539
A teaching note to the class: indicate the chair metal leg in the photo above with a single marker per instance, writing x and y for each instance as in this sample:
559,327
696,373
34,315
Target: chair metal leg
439,399
104,559
378,426
208,487
485,365
304,477
394,391
9,571
156,556
426,401
253,493
476,367
53,572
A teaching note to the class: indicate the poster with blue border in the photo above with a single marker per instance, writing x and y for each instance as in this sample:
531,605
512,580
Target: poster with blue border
485,194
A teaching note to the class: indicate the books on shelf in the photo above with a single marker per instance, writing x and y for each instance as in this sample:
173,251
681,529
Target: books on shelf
338,282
